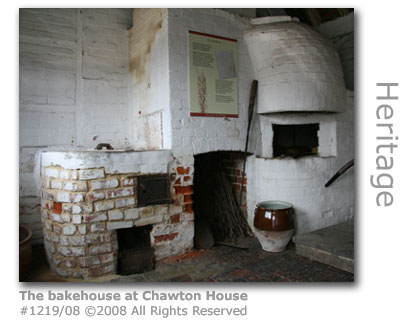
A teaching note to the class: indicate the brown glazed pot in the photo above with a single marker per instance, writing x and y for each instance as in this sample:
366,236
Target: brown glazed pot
274,216
25,235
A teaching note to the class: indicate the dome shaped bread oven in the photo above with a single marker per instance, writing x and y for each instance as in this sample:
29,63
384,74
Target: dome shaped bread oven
297,68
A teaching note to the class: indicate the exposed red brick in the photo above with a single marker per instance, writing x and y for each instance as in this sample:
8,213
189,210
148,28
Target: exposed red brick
184,190
238,186
175,218
100,270
182,170
239,180
57,208
96,195
188,208
49,205
238,164
236,172
166,237
184,256
178,182
187,178
239,156
187,198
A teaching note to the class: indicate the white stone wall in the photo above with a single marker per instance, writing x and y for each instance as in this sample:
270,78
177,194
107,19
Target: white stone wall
194,135
73,87
301,181
149,76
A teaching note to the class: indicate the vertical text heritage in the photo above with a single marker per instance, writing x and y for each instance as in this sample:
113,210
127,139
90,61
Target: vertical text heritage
386,143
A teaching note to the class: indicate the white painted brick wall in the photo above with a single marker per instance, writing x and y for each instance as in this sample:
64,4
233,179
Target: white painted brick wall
194,135
73,87
149,77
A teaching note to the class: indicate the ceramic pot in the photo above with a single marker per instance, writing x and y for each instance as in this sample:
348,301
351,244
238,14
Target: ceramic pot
274,216
274,224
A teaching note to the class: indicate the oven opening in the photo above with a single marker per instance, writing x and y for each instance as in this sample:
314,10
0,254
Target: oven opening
295,140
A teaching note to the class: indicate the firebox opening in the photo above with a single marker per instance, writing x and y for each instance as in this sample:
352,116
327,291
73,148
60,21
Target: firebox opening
216,189
295,140
135,254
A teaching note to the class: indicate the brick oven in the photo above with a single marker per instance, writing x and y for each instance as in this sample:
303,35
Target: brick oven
87,196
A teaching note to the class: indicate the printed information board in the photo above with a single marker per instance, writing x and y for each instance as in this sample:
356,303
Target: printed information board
212,75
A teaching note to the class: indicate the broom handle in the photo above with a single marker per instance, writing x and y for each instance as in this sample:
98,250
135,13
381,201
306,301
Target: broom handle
253,93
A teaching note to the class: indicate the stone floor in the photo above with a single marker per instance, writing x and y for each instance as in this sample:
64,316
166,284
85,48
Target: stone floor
333,245
222,264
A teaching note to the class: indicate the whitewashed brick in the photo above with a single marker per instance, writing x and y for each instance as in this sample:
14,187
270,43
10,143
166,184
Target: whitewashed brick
64,174
47,225
87,208
122,192
175,209
115,215
132,213
95,239
62,197
128,181
62,272
74,175
54,238
69,230
76,219
161,210
149,220
76,209
96,217
51,172
77,240
108,247
61,218
97,227
104,205
82,229
105,184
119,225
127,202
96,195
72,251
187,217
46,183
70,263
63,240
76,186
88,174
146,211
77,197
56,184
89,261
